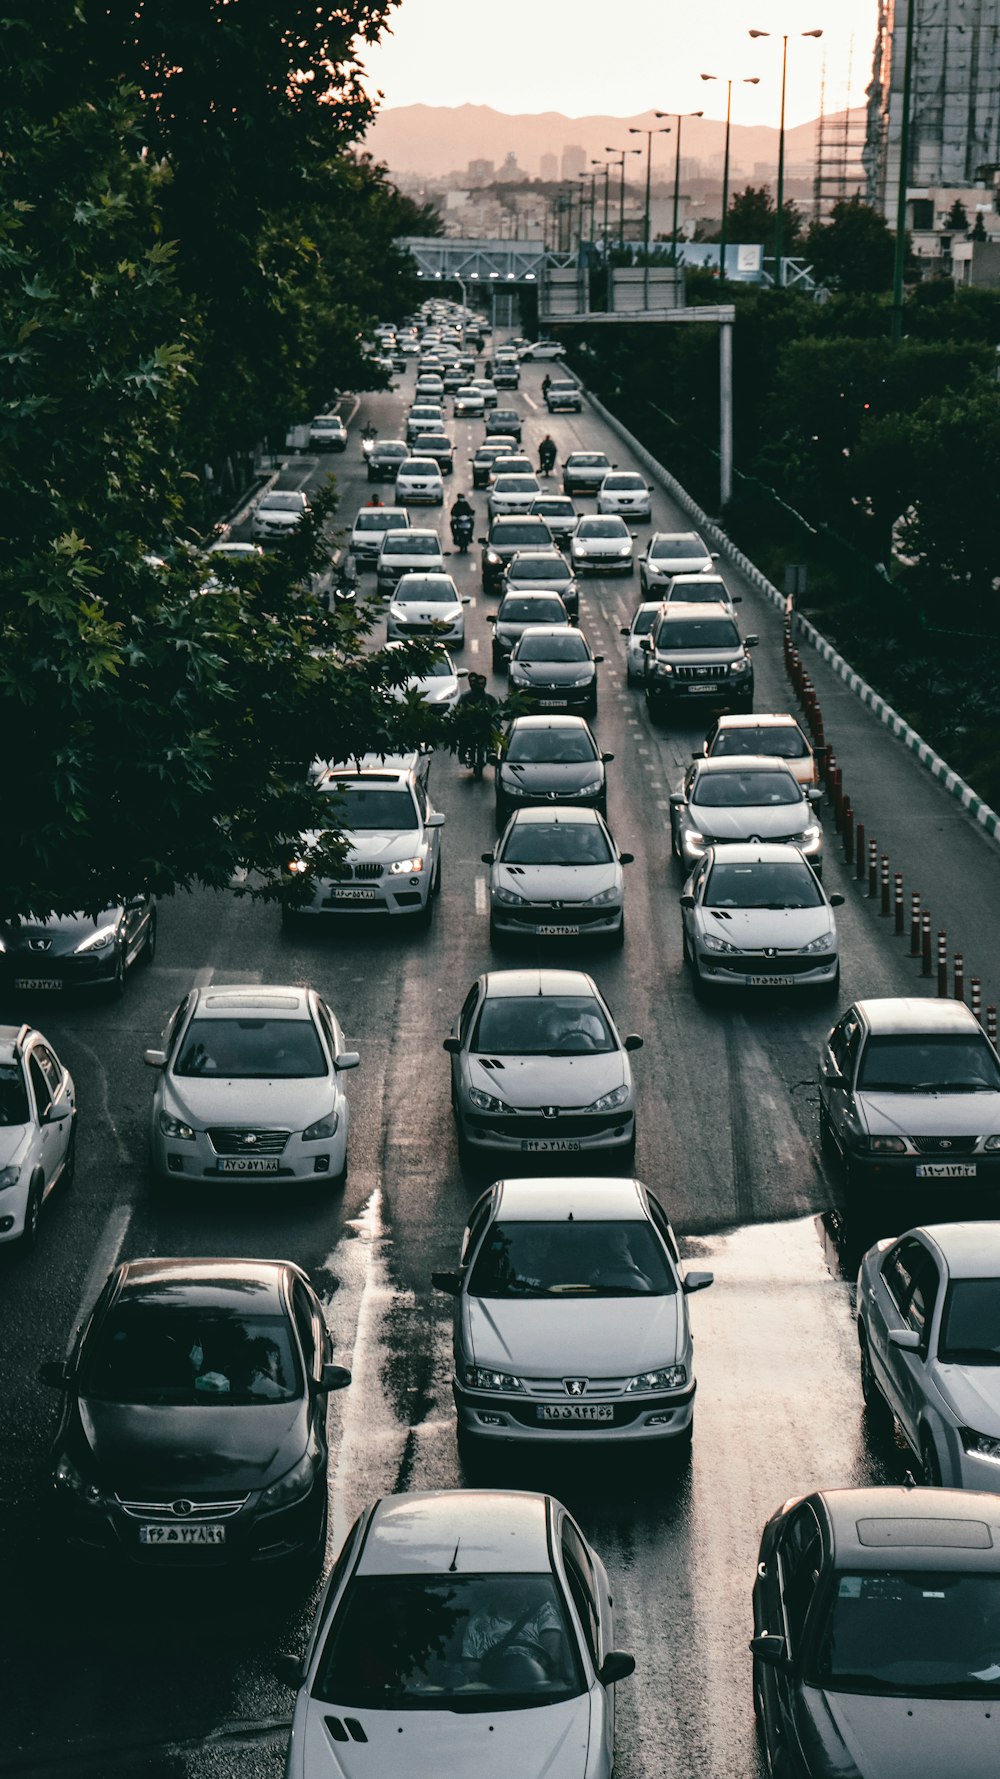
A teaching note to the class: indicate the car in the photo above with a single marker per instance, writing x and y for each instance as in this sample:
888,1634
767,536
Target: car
757,916
370,524
584,471
421,419
695,654
489,389
438,446
549,759
247,1086
510,463
571,1275
557,874
564,1084
510,493
928,1308
909,1094
875,1614
327,432
515,613
756,798
57,952
393,863
563,396
439,684
700,589
506,373
543,571
643,619
603,545
542,349
403,551
552,668
192,1431
429,387
276,514
469,403
624,492
458,1629
505,423
559,513
427,605
484,459
419,483
669,553
385,458
230,550
508,536
37,1131
775,733
453,378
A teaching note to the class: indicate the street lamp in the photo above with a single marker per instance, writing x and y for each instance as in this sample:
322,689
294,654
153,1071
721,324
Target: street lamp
899,253
751,80
779,221
605,168
622,152
677,173
634,130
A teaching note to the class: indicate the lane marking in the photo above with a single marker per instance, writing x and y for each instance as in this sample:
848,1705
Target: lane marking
480,895
662,803
104,1258
531,403
474,645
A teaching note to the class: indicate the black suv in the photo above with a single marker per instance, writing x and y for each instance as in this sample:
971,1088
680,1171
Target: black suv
695,656
510,533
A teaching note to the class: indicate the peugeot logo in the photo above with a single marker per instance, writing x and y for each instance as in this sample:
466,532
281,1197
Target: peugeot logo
550,1111
248,1139
182,1508
39,944
770,951
575,1386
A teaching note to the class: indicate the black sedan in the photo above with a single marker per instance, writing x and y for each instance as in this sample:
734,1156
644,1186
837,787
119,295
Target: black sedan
65,951
515,613
555,669
549,759
193,1426
877,1646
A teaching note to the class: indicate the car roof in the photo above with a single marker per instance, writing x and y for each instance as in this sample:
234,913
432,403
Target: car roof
676,537
382,513
559,630
742,763
249,1285
545,553
755,719
590,1196
396,776
503,984
920,1529
228,1000
412,531
539,597
458,1531
697,580
910,1013
971,1249
563,721
757,852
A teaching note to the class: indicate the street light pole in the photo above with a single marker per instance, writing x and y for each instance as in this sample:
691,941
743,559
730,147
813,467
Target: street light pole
634,130
752,80
621,153
677,173
779,221
899,253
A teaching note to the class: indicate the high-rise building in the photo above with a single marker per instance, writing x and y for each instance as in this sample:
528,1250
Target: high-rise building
480,172
548,167
954,97
574,160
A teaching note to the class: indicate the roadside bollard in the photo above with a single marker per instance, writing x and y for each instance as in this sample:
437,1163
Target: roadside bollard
859,867
927,968
873,868
991,1025
885,883
848,831
942,966
959,994
914,923
899,905
976,998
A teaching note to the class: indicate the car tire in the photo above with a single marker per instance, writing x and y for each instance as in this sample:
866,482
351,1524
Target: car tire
686,952
618,936
880,1417
500,817
425,915
149,949
930,1467
32,1216
592,707
698,983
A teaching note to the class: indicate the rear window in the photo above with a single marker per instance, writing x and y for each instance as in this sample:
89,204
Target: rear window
527,531
540,568
678,549
376,520
530,610
787,743
411,546
587,460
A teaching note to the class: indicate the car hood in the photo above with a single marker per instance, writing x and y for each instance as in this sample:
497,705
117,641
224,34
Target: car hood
592,1337
549,1080
973,1392
663,567
788,929
279,515
426,1744
271,1104
553,673
552,883
12,1141
756,823
590,546
403,564
898,1738
61,933
437,613
160,1452
938,1114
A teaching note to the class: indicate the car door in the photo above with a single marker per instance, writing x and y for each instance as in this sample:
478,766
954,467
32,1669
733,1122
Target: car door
313,1340
470,1008
694,887
902,1295
45,1078
593,1614
837,1069
788,1588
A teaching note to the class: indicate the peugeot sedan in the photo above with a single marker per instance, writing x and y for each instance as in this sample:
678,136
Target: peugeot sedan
419,483
543,571
755,798
557,874
510,492
603,546
758,917
538,1068
562,1277
550,759
669,553
625,492
506,537
513,616
385,458
438,684
461,1632
584,471
559,513
61,952
366,532
276,514
552,668
405,550
427,605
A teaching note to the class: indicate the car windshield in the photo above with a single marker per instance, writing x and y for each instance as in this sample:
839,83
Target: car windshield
570,647
786,743
251,1050
602,528
283,503
440,668
587,460
530,532
515,484
970,1325
419,466
157,1351
13,1095
411,546
435,441
374,806
541,568
425,591
745,790
530,610
943,1062
702,592
460,1643
781,883
377,521
542,1025
556,843
698,633
563,747
678,549
912,1633
571,1259
616,484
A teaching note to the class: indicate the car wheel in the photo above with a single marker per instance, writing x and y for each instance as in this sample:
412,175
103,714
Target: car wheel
592,706
338,1181
686,951
497,660
698,982
149,949
675,841
879,1413
930,1468
500,818
32,1213
679,1448
618,936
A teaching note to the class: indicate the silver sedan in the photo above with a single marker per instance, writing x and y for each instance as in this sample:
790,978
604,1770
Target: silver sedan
757,917
755,799
557,873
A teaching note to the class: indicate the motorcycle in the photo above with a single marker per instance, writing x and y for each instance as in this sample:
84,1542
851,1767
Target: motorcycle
367,443
546,462
461,531
473,754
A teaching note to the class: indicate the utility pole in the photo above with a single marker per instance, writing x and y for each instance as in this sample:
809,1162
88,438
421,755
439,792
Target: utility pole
634,130
899,255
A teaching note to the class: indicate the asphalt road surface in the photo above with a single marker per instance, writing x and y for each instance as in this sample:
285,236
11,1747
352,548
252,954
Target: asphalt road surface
103,1675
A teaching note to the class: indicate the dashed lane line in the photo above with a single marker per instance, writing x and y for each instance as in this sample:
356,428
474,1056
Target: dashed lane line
480,895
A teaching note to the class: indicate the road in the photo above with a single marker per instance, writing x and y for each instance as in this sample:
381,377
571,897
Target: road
103,1676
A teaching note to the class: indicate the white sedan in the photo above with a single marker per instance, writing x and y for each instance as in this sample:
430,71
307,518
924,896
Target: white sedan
557,873
419,483
439,686
512,494
277,514
623,492
603,544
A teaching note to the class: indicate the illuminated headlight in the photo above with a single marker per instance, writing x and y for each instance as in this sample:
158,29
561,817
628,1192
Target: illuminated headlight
823,943
671,1377
297,867
740,666
663,667
694,842
811,839
713,942
2,946
980,1445
486,1102
97,941
9,1176
175,1127
398,612
992,1143
493,559
295,1483
626,550
478,1377
591,788
401,867
323,1128
510,896
609,1101
67,1476
886,1146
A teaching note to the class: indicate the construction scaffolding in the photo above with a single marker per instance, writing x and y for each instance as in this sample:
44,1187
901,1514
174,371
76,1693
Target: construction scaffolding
955,102
840,142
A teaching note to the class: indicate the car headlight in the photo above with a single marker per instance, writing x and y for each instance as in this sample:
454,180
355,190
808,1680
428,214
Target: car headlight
582,679
97,941
811,839
514,788
297,867
740,666
401,867
611,894
486,1102
323,1128
295,1483
626,550
9,1176
493,559
886,1146
980,1445
510,896
823,943
68,1475
175,1127
2,946
670,1377
663,667
990,1143
591,788
479,1377
713,942
608,1101
694,842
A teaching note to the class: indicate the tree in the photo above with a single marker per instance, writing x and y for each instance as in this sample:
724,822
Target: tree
978,229
854,250
957,218
752,215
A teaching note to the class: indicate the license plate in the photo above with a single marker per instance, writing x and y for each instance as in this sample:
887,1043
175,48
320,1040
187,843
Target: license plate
576,1411
702,688
552,703
536,1145
31,982
209,1534
558,932
352,895
249,1164
946,1170
770,981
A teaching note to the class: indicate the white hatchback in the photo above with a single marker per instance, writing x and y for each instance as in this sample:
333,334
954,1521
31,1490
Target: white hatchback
427,605
419,483
623,492
512,494
37,1130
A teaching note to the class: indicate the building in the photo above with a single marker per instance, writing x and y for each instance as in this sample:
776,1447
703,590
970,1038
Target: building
480,172
954,103
509,171
548,168
574,161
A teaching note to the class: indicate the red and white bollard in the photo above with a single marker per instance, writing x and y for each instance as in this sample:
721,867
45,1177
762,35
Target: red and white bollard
898,904
959,994
884,884
914,923
873,868
942,966
926,966
976,998
991,1025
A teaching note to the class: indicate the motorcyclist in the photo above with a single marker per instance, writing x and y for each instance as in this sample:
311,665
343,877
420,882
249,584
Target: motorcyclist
546,381
475,715
462,507
547,454
463,515
368,431
375,500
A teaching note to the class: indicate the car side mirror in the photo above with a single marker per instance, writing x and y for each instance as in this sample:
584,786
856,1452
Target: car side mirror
133,902
333,1377
624,631
814,794
465,596
437,820
155,1059
288,1669
348,1059
836,900
626,858
487,858
644,643
481,540
55,1373
453,1046
751,641
772,1650
491,617
633,1043
714,555
697,753
449,1282
607,758
687,901
697,1281
906,1339
617,1665
598,659
678,799
58,1112
829,1070
737,598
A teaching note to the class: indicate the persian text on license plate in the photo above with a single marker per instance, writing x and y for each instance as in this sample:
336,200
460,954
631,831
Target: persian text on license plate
576,1411
946,1170
35,982
353,895
538,1145
208,1534
560,932
249,1164
771,981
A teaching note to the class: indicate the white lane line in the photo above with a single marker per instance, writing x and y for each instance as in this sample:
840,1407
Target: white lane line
474,645
656,784
642,750
472,602
104,1257
480,893
530,402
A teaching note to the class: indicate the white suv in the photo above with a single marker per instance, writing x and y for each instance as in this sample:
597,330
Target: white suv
37,1129
393,862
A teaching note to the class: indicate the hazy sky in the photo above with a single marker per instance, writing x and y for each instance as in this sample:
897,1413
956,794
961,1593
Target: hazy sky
566,55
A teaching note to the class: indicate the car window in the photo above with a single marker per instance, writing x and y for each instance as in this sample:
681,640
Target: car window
924,1633
305,1323
50,1067
643,622
602,528
570,647
746,790
800,1559
373,807
14,1107
662,1224
541,568
477,1223
542,1025
40,1086
468,1008
327,1025
147,1351
911,1280
939,1062
531,609
697,633
251,1049
582,1587
785,743
521,1259
970,1323
845,1041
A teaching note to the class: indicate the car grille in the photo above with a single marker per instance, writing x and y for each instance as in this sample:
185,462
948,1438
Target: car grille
751,963
235,1140
719,672
595,1389
199,1509
366,872
624,1415
948,1145
563,913
565,1124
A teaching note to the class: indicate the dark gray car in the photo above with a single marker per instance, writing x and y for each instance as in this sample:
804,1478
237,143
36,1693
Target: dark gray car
550,759
515,613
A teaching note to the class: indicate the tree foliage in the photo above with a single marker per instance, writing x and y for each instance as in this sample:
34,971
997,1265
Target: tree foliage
853,251
753,214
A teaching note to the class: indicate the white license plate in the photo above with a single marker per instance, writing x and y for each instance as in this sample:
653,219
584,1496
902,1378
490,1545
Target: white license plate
770,981
946,1170
31,982
576,1411
249,1164
536,1145
353,895
552,703
703,688
558,932
208,1534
